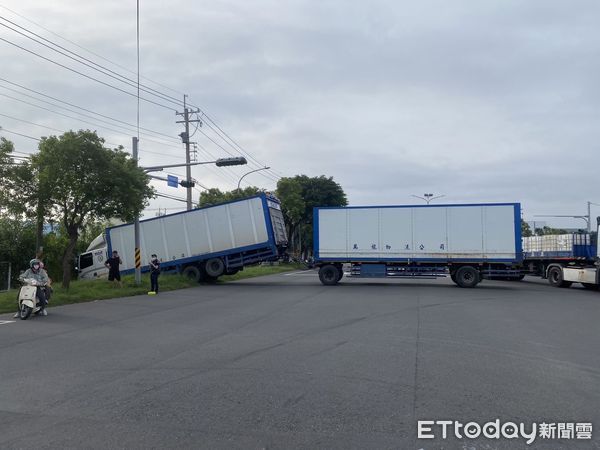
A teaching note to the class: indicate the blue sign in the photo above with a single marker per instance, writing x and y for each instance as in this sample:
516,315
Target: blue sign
172,181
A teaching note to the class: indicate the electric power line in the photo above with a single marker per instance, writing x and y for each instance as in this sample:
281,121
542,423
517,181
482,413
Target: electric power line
87,62
78,107
215,127
85,75
85,49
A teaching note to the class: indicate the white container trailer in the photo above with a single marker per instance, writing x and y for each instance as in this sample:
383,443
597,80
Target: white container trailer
201,243
468,242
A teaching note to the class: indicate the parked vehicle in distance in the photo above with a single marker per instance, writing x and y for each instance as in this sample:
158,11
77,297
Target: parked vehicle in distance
564,259
467,242
203,243
570,249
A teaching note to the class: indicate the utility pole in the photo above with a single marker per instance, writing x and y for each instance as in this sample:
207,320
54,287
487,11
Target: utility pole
136,226
185,138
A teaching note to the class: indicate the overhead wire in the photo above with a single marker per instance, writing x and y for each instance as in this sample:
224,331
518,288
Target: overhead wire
271,174
87,62
80,107
62,131
124,127
19,134
85,75
86,49
120,132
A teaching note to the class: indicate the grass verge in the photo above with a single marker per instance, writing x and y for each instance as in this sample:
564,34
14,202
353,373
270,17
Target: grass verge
85,291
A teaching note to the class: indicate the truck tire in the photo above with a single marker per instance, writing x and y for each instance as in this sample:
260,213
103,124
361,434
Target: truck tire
192,272
329,275
467,277
214,267
555,278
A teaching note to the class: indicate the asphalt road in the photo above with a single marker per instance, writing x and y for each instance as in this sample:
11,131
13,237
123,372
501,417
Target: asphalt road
283,362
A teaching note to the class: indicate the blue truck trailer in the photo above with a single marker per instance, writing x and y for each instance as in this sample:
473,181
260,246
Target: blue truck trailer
468,242
203,243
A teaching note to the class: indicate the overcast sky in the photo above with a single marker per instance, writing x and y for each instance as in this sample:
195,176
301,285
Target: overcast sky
482,101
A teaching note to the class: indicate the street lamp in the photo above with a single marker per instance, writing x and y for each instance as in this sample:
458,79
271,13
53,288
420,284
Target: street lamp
248,173
586,218
428,197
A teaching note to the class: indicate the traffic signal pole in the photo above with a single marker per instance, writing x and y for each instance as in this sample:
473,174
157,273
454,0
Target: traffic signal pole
185,138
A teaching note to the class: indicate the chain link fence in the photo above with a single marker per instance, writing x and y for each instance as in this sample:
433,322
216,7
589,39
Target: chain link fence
5,274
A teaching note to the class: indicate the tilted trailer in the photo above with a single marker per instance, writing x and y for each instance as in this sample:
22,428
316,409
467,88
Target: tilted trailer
467,242
201,244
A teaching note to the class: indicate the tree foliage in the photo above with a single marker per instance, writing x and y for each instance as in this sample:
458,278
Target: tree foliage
299,195
78,181
546,230
215,196
525,229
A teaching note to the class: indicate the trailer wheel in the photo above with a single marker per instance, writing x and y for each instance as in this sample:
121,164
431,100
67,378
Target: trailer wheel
329,275
214,267
192,272
590,286
467,277
555,278
204,278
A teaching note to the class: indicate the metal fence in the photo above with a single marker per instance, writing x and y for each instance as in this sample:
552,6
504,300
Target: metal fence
5,274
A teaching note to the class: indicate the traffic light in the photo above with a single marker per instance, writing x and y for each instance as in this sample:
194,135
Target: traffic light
238,161
187,184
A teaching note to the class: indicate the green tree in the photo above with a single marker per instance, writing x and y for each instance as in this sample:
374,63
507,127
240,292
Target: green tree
545,231
83,182
17,240
525,229
299,195
215,196
20,193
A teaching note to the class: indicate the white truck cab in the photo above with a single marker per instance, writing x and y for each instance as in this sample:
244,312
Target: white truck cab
588,276
91,263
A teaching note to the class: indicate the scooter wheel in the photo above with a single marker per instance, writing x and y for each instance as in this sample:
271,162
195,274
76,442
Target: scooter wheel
25,312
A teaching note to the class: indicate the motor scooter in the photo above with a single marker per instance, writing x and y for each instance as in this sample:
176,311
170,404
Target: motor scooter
27,299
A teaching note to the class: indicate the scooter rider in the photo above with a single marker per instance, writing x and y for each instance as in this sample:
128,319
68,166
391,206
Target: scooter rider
36,272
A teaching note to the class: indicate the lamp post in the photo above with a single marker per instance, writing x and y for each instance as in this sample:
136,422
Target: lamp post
428,197
587,217
248,173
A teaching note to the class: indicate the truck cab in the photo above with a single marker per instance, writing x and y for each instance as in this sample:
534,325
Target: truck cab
90,265
588,276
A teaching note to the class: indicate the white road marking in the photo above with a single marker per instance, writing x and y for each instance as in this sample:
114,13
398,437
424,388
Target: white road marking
4,322
300,272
